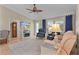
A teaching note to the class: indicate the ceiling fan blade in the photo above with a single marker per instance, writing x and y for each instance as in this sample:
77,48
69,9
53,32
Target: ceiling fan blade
34,9
29,9
39,10
30,12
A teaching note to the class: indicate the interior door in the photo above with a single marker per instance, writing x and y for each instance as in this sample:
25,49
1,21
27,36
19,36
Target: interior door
14,29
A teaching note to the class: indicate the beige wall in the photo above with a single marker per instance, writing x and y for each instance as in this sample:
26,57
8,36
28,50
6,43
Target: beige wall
77,19
77,27
0,18
7,16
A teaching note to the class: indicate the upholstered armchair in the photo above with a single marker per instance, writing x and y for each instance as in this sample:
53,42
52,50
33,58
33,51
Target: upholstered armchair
4,36
41,33
52,35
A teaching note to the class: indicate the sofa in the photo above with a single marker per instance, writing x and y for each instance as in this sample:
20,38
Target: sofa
64,47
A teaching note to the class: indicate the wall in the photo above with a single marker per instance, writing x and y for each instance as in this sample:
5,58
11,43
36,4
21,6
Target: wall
74,22
9,16
77,26
77,19
0,18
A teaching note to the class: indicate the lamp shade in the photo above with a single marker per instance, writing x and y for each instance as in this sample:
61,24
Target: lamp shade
56,28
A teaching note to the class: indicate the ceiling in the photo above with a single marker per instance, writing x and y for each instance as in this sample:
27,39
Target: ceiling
49,10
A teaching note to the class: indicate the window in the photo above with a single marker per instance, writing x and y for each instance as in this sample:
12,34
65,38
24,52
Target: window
37,27
60,21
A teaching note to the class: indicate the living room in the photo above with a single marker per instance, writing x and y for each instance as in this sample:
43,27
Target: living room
31,28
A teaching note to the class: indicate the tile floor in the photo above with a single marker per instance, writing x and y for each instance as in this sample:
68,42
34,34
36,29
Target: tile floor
5,50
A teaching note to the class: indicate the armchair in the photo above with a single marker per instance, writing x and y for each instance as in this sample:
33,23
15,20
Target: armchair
51,35
41,33
26,33
3,36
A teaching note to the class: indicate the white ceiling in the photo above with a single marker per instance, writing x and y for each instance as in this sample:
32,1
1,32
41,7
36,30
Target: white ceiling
49,10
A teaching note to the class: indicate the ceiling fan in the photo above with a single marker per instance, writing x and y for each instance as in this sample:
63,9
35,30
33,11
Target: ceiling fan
34,9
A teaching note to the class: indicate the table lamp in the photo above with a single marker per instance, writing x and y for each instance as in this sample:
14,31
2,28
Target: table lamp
56,28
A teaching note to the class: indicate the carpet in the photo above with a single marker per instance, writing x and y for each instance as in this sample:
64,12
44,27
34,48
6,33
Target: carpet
27,47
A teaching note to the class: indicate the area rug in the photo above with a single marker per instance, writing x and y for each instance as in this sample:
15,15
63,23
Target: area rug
26,47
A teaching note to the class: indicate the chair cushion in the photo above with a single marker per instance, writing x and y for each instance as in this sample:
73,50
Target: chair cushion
4,33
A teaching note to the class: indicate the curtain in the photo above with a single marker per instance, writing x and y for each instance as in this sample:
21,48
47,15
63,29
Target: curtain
44,25
68,24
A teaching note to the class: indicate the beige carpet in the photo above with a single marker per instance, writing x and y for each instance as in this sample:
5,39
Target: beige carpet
27,47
